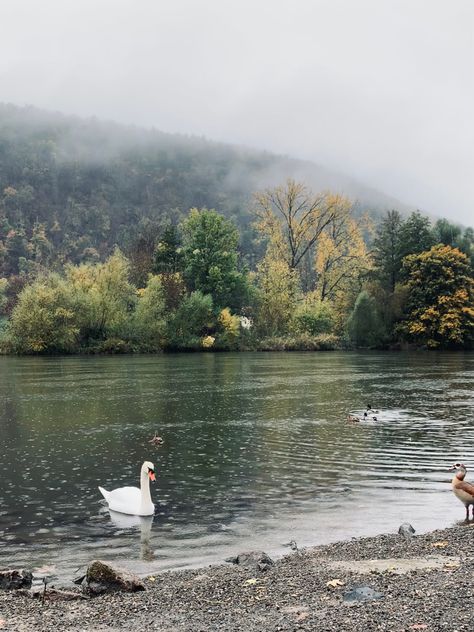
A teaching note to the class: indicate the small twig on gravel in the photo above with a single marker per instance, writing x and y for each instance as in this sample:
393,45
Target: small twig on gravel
45,581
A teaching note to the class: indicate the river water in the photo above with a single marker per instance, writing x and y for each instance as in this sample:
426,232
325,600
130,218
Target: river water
257,452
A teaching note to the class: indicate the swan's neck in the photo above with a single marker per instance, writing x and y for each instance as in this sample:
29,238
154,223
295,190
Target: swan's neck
145,488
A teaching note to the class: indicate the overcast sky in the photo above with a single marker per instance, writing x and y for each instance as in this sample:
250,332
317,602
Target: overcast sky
382,90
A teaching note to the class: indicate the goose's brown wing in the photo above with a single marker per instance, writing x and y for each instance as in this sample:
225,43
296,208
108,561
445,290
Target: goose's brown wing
466,487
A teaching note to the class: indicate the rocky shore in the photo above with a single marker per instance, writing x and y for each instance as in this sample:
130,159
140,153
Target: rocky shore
387,582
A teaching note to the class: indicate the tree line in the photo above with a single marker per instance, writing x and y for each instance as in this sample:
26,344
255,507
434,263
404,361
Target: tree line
323,276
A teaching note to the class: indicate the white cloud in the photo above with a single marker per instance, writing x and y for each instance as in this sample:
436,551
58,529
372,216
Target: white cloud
380,89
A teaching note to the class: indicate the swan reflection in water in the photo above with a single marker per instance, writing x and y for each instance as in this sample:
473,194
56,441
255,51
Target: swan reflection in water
125,521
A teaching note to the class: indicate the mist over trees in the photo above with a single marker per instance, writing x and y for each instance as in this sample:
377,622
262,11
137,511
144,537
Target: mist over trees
117,240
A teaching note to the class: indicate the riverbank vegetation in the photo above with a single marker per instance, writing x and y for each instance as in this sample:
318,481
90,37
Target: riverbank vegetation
322,283
289,268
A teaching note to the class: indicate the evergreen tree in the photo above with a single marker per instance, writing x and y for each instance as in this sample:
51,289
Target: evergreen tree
388,251
416,235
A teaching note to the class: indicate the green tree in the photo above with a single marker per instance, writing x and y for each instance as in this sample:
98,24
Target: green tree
168,255
313,317
440,306
388,251
192,321
449,234
210,258
416,235
364,325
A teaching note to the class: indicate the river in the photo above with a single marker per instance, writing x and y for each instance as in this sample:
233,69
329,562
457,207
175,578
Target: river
257,452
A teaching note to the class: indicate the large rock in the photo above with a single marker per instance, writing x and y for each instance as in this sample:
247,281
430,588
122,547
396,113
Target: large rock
407,531
12,579
102,577
258,560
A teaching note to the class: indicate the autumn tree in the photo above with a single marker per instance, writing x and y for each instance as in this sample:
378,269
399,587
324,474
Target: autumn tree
279,292
105,294
45,318
341,253
440,307
149,322
293,219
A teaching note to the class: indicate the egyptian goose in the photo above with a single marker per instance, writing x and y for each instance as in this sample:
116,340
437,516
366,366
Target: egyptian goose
352,418
464,491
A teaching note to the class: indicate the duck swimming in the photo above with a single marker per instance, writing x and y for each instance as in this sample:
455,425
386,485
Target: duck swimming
156,440
370,410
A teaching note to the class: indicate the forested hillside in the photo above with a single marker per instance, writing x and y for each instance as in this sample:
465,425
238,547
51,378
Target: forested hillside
71,189
117,239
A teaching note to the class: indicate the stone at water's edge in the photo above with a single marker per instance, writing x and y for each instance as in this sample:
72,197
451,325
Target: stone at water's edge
252,559
12,579
102,577
406,530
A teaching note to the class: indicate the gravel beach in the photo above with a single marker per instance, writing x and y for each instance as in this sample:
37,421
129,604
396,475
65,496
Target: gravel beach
424,584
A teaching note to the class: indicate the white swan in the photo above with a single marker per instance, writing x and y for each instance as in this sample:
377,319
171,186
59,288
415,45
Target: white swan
131,500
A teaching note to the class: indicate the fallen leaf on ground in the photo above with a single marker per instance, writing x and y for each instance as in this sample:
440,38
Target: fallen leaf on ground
392,570
334,583
302,616
250,582
418,626
151,578
45,569
451,565
441,544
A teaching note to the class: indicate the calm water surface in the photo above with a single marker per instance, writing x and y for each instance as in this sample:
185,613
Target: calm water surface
257,452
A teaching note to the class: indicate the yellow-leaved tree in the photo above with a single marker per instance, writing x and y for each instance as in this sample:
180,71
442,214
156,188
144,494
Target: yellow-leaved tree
293,218
341,257
440,305
279,292
105,294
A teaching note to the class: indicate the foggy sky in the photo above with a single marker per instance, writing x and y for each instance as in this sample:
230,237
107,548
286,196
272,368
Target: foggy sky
382,90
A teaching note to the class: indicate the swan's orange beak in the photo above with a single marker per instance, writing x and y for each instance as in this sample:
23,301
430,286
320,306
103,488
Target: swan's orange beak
152,476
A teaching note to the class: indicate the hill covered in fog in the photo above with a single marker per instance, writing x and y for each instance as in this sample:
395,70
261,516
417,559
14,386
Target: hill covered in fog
86,185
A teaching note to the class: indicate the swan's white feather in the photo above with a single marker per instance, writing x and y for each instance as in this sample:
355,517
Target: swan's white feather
127,500
130,500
